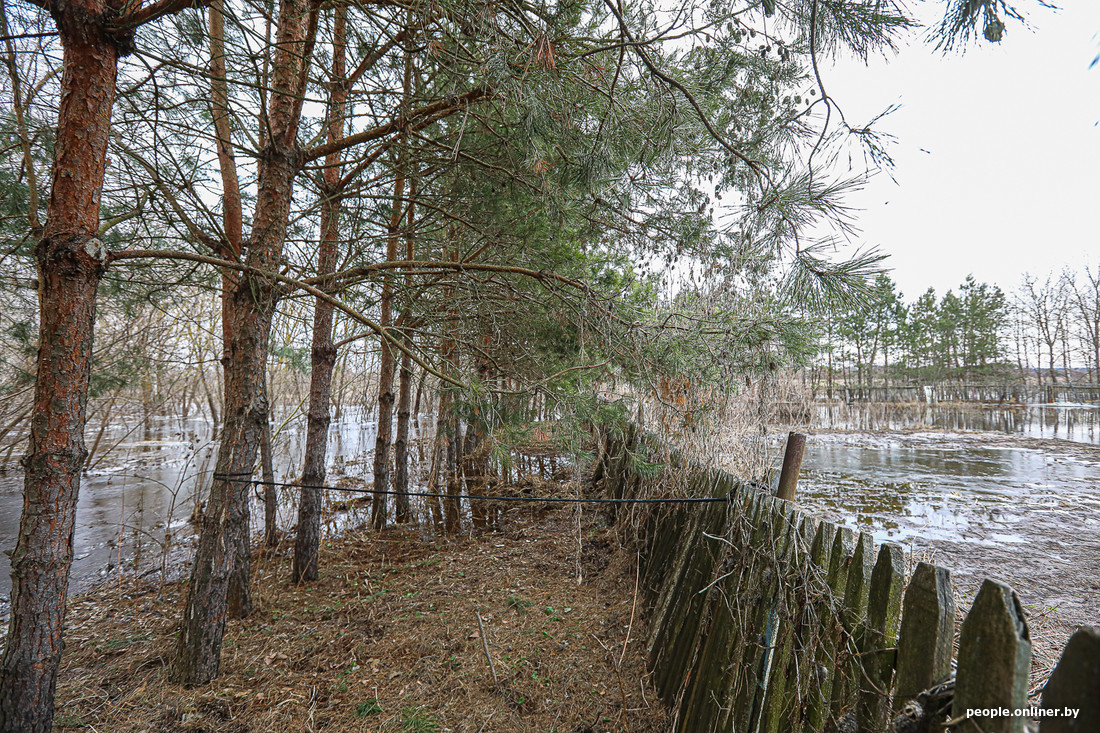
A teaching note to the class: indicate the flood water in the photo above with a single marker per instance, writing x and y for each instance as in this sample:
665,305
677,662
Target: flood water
1009,493
140,490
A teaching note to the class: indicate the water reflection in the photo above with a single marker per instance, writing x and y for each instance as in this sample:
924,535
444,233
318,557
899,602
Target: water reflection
1077,423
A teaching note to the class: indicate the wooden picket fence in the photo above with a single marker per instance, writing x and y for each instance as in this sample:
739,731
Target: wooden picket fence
764,619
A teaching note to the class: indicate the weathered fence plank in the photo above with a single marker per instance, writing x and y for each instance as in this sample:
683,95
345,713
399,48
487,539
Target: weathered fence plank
753,636
787,687
994,662
856,592
826,669
709,678
775,695
926,642
1074,686
878,651
679,640
812,633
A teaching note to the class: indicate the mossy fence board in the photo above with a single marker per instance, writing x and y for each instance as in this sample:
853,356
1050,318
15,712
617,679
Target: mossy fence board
764,619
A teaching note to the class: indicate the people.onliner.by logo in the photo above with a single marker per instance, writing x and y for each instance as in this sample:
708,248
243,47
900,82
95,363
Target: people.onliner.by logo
1020,712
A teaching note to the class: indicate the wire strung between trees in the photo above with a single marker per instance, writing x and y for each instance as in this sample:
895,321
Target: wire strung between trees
245,478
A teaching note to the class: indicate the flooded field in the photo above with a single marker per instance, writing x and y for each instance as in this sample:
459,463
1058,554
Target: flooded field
1012,493
141,489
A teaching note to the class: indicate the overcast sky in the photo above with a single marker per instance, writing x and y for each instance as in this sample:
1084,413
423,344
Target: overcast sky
997,153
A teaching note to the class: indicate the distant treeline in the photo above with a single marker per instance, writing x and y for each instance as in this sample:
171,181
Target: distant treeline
1044,332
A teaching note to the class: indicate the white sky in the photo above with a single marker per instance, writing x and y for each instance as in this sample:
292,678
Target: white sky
997,153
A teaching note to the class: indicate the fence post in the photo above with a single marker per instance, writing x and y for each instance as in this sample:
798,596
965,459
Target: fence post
792,463
994,662
1075,684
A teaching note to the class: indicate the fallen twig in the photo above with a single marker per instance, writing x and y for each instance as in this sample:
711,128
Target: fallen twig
485,646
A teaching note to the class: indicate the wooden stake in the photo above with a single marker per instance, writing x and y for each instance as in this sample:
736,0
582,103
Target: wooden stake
792,462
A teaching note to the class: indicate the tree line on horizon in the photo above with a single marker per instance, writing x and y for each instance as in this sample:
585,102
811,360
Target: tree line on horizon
1044,332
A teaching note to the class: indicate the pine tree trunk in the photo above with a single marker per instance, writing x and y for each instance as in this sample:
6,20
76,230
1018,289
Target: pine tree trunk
240,602
388,362
452,507
271,499
70,263
219,582
308,540
401,444
470,465
886,371
476,465
225,521
435,506
307,543
386,367
451,520
416,404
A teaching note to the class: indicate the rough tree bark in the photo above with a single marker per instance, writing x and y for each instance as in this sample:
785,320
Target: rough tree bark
249,311
229,248
70,262
307,543
385,417
475,467
452,507
402,511
435,506
386,362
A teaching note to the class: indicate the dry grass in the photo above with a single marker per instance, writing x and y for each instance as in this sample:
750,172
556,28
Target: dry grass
1048,631
387,640
733,430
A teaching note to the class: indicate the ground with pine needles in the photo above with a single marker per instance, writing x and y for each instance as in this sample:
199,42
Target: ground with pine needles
388,640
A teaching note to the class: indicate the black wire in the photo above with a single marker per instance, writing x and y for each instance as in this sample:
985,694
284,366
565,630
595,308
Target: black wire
239,478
